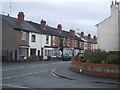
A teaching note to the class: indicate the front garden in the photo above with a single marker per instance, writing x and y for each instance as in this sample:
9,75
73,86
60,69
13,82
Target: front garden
97,56
98,63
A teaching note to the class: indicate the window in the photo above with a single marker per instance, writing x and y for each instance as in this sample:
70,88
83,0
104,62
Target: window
33,38
53,40
32,52
68,42
47,39
23,51
86,44
23,35
75,43
63,41
80,43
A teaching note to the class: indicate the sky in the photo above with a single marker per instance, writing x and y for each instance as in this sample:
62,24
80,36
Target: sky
79,15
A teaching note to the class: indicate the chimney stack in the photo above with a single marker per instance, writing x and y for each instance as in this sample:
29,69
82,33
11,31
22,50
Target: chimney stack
82,34
21,17
72,32
95,38
89,36
115,2
59,28
43,24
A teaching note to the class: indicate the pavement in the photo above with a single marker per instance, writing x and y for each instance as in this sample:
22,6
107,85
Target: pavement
68,73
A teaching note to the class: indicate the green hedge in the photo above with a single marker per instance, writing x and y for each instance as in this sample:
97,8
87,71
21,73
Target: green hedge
98,56
113,59
95,56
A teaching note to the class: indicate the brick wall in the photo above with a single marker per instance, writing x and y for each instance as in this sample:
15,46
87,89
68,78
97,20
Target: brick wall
101,70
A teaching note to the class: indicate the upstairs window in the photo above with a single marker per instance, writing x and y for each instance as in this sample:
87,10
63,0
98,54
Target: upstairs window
47,39
75,43
68,43
80,43
23,35
53,40
63,41
33,38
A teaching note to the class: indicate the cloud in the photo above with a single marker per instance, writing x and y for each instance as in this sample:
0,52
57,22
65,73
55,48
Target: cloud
76,14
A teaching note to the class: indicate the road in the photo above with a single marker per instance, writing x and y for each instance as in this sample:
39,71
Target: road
39,75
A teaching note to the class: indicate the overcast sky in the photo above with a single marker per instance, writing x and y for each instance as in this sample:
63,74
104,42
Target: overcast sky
80,15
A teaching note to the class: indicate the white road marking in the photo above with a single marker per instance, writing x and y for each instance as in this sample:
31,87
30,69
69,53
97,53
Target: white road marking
24,74
53,73
12,68
49,64
14,86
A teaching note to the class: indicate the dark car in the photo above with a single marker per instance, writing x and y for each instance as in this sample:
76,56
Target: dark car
66,57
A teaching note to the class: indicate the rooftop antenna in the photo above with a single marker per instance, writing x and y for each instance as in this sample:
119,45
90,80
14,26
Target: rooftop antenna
10,6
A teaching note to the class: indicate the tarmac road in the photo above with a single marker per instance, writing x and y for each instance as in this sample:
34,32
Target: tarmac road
30,75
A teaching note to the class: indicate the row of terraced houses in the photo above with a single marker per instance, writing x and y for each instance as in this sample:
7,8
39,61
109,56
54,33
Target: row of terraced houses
22,39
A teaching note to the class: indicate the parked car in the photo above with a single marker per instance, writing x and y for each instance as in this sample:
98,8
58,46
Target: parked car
67,57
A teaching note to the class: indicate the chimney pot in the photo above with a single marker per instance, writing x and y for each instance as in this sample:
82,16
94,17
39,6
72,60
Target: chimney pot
59,27
95,37
72,32
82,34
21,17
89,36
43,24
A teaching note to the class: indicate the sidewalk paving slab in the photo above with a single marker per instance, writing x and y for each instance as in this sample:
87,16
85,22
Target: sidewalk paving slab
66,72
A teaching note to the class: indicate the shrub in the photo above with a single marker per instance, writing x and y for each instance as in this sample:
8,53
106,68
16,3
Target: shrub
95,56
113,59
33,58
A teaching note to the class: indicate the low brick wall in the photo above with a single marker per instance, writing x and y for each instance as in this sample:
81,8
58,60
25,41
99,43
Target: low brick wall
101,70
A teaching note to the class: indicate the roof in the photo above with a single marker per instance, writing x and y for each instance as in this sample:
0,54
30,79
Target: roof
91,40
102,21
54,32
68,35
35,27
49,30
15,24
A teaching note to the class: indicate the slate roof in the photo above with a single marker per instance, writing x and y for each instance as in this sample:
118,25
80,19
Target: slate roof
91,40
68,35
15,24
49,30
35,27
54,32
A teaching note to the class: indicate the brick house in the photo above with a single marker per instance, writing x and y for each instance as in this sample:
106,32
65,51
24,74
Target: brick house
89,42
15,37
22,39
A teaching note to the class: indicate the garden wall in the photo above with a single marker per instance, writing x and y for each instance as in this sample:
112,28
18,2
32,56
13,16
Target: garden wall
101,70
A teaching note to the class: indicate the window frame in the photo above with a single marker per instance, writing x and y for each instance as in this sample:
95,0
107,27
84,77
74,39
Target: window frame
33,38
24,35
47,39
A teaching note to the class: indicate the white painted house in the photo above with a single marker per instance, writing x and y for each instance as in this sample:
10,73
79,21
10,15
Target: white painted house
46,42
35,43
107,37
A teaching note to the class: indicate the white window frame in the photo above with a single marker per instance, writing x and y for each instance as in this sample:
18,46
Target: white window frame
24,35
68,42
33,39
63,41
53,40
47,39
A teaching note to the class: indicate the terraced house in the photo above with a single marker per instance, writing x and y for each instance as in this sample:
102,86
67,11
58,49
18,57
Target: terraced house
22,39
